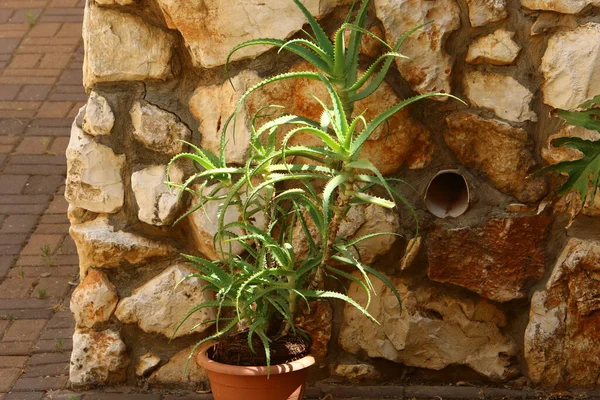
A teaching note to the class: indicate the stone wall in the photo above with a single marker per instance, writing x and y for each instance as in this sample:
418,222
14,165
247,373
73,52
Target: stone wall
506,292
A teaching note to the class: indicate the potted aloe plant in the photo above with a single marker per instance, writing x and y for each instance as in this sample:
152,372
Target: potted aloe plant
258,292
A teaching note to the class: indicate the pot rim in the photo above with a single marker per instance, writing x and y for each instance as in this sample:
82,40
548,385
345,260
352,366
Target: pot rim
214,366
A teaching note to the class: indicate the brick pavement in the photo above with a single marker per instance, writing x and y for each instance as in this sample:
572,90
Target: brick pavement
40,92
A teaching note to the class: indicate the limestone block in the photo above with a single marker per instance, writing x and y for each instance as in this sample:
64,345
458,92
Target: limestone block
157,202
157,129
355,373
431,330
547,20
227,24
500,93
317,323
563,335
204,222
158,307
499,48
94,300
482,12
430,69
94,173
123,47
402,142
561,6
114,2
361,220
500,259
570,67
100,245
498,150
97,357
212,105
175,373
146,364
99,118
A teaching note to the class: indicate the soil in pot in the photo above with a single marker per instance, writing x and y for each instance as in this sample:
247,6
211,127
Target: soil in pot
234,350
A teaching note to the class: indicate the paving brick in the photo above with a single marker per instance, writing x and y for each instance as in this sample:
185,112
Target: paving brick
39,159
48,358
44,30
13,238
56,109
9,92
5,15
55,287
53,60
24,61
24,330
16,288
13,361
41,383
12,184
12,126
6,264
43,184
64,272
25,396
9,249
8,45
25,80
33,145
58,206
34,92
63,3
120,396
6,305
60,18
24,199
47,370
3,326
8,377
37,242
62,323
21,208
70,29
15,348
57,345
52,228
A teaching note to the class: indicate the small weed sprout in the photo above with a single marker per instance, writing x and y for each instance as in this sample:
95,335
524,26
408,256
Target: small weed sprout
31,18
42,293
59,346
46,255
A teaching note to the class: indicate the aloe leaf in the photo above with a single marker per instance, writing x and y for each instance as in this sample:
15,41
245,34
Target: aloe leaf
320,294
296,48
378,79
322,39
354,43
371,70
383,116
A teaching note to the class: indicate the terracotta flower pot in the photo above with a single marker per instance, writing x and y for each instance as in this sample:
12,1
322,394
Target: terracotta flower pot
232,382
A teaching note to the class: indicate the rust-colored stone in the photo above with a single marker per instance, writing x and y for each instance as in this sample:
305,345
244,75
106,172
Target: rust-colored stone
562,340
316,321
499,151
404,141
499,259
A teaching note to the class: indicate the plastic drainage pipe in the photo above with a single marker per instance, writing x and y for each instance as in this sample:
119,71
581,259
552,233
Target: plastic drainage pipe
447,194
